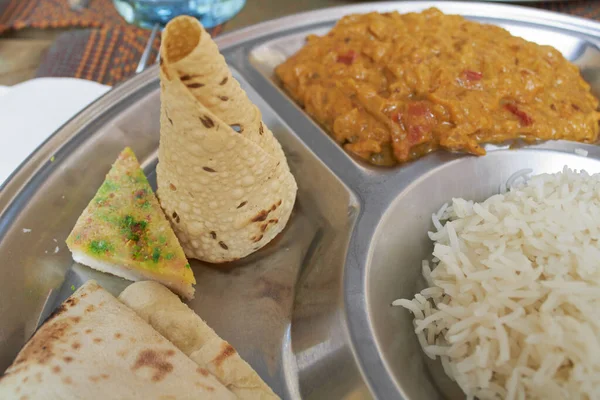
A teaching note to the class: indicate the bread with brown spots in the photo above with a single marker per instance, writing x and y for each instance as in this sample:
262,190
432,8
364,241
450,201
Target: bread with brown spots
94,347
162,309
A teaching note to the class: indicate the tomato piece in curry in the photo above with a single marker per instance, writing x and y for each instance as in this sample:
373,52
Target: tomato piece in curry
393,87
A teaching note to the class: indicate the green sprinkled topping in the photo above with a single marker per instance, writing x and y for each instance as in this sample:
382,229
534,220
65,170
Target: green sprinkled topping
132,229
141,199
108,186
140,178
156,254
187,266
136,252
100,246
169,256
73,288
52,159
140,193
109,217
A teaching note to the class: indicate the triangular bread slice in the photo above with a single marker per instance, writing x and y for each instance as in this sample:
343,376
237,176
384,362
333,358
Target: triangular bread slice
123,231
186,330
95,347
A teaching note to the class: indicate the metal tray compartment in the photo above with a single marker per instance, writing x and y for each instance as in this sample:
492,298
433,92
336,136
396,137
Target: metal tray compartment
311,311
400,243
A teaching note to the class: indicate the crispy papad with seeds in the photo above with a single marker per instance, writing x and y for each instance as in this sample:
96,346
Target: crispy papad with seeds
95,347
123,231
194,58
186,330
226,193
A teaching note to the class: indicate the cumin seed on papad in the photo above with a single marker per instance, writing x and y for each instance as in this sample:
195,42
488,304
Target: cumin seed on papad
223,179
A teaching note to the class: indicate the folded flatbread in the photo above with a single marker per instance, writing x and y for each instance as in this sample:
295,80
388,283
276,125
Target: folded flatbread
123,231
221,171
94,347
186,330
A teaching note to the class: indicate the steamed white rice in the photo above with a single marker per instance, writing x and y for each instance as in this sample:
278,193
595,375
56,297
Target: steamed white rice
513,303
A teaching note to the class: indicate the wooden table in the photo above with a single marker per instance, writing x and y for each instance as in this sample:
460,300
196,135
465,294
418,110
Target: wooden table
21,52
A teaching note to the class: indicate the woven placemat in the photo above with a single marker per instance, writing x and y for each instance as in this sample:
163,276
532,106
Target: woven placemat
107,54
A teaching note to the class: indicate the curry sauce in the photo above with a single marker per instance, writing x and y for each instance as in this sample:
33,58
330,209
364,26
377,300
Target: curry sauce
392,87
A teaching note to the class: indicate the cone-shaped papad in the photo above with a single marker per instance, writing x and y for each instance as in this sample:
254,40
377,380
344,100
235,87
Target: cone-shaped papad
223,179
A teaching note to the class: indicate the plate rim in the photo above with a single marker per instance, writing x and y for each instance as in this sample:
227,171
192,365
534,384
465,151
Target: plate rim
517,13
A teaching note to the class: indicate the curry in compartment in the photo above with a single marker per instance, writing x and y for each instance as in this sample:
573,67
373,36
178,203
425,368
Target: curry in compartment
392,87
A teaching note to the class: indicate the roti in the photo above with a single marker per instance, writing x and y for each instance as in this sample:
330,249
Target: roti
123,231
186,330
94,347
221,171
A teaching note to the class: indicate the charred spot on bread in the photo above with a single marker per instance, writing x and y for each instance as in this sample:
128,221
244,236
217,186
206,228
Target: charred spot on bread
227,351
208,169
42,349
155,360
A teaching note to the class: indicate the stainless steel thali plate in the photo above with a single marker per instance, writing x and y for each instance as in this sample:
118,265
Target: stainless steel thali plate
311,311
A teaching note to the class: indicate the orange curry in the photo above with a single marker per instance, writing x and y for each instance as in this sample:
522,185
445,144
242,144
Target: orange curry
393,87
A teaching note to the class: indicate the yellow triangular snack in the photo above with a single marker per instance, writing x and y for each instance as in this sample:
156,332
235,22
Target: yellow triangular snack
123,231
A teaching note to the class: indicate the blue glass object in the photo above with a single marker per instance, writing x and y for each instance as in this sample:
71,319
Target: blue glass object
147,13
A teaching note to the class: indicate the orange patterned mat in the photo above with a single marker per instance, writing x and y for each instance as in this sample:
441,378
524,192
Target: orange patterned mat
108,53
